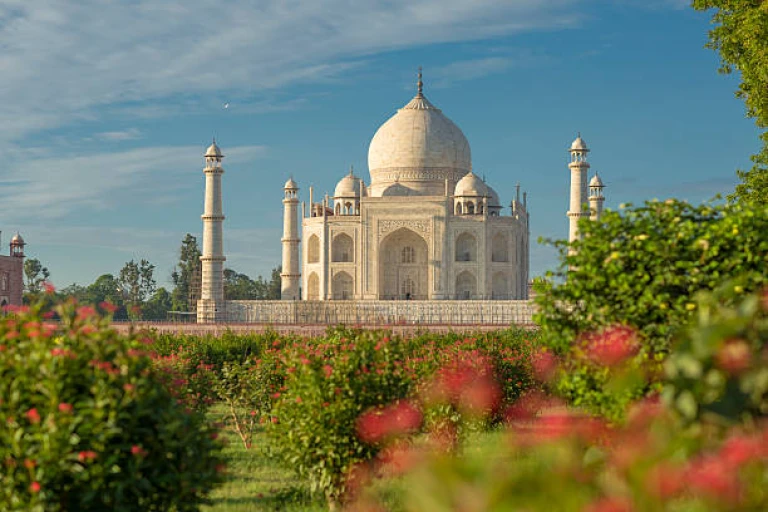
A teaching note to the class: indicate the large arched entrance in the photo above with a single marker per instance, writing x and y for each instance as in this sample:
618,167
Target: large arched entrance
403,266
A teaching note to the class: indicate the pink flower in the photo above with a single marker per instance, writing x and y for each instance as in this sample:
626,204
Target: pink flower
33,416
544,365
328,370
48,287
712,477
395,420
734,357
612,346
138,451
85,312
738,450
34,487
664,481
611,504
86,456
65,408
108,307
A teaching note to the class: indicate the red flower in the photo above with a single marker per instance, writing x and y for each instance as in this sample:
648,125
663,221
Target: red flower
711,476
138,451
29,463
738,450
65,408
34,487
328,370
298,399
612,346
612,504
108,306
48,287
544,365
33,416
734,356
395,420
86,456
664,481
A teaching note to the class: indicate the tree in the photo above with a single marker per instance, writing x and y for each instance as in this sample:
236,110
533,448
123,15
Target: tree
186,275
36,274
275,284
158,305
136,282
741,37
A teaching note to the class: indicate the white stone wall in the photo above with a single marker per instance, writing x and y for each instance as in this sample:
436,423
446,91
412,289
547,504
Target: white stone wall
382,312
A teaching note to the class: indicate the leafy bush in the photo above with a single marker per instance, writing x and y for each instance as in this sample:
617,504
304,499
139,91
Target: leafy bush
653,461
642,267
329,384
719,369
85,423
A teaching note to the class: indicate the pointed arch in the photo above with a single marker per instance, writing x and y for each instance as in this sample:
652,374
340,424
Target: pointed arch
403,266
466,247
466,285
500,248
499,286
313,249
313,287
343,286
343,248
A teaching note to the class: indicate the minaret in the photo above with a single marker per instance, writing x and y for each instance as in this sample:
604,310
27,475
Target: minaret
291,276
210,307
596,197
579,168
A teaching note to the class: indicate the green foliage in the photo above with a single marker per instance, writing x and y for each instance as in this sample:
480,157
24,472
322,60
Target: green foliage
36,275
741,37
86,425
642,266
186,276
137,283
718,371
248,392
241,287
328,386
157,307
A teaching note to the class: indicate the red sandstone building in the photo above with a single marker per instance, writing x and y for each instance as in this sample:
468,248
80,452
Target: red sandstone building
12,273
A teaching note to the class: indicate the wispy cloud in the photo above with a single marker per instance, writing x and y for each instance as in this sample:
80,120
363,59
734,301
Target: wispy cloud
65,61
52,187
120,135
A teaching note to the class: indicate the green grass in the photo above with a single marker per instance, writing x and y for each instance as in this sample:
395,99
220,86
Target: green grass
257,483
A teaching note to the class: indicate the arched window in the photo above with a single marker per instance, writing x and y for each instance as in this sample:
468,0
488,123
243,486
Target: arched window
343,286
466,248
470,208
338,209
499,249
313,249
408,255
313,287
458,208
343,248
466,286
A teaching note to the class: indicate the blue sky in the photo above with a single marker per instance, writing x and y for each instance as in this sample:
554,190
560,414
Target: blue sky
107,110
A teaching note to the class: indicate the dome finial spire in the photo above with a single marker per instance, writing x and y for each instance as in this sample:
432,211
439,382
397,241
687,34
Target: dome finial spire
420,85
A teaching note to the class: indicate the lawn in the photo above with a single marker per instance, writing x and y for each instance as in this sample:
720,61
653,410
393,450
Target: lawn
258,483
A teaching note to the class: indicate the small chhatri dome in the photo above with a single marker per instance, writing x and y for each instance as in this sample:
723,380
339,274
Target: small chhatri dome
290,184
579,144
596,182
213,151
493,197
17,239
471,186
348,186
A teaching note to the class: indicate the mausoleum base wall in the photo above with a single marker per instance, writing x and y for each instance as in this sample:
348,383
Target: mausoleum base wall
382,312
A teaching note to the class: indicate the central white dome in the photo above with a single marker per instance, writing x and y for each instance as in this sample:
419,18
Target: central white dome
418,149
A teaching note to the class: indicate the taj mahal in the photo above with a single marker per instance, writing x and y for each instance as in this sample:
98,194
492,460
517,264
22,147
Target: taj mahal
423,239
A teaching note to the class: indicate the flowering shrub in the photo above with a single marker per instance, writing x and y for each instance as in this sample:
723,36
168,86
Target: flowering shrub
715,459
85,423
328,385
642,267
719,370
